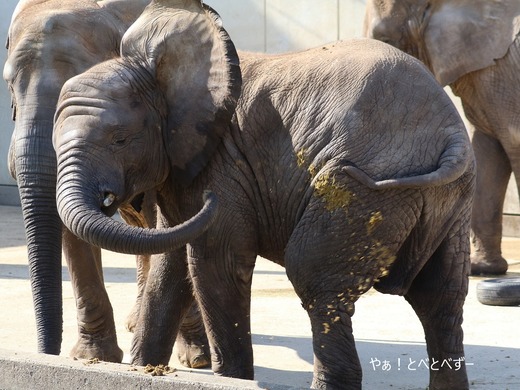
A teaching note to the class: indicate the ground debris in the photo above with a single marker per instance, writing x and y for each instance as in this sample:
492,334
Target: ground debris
159,370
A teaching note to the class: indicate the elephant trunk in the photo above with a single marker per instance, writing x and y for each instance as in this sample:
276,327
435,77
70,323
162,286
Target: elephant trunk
81,211
35,165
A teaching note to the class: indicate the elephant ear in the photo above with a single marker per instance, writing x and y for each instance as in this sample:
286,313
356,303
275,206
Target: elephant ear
467,35
197,69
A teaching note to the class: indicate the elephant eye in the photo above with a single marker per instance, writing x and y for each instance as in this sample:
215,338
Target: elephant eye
13,106
119,141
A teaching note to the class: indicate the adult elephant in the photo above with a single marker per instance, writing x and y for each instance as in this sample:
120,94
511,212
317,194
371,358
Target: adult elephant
49,42
474,47
347,164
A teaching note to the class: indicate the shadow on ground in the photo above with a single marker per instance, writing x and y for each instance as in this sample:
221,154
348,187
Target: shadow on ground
402,365
111,274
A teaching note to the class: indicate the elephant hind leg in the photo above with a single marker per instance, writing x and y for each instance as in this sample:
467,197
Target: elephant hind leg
336,362
192,345
437,296
330,265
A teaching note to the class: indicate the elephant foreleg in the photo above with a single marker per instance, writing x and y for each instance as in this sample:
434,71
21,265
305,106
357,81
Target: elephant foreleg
224,300
493,174
96,328
192,342
166,299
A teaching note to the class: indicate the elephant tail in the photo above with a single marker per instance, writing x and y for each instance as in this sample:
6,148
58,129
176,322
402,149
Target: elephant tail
455,161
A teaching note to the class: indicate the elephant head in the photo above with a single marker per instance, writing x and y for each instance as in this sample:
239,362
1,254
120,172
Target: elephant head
154,115
49,42
452,37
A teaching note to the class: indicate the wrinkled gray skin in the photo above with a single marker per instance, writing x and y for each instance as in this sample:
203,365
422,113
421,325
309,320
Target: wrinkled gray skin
474,47
347,164
49,42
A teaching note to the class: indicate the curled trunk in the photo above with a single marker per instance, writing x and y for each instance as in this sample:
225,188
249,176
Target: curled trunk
83,215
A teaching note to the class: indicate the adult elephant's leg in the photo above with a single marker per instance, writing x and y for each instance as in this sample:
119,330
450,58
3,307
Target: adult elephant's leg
493,174
96,328
437,295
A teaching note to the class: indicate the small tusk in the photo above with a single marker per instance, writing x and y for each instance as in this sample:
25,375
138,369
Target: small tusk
109,199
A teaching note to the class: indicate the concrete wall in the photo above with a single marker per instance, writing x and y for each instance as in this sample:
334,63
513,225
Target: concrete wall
281,25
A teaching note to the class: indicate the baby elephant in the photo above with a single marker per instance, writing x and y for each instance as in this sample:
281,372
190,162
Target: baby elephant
347,164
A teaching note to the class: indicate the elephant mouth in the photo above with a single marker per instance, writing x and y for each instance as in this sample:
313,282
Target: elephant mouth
137,202
111,202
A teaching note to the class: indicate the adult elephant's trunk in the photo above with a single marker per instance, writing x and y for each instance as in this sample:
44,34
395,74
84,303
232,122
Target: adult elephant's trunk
82,214
35,165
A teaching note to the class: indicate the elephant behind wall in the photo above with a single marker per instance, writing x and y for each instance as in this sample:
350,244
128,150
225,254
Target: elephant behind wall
474,47
50,41
347,164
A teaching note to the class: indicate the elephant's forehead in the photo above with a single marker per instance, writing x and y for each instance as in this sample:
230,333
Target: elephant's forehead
98,85
98,127
386,19
91,121
116,116
102,98
90,115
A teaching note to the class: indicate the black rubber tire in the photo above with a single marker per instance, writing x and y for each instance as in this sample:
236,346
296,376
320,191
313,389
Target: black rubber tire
499,292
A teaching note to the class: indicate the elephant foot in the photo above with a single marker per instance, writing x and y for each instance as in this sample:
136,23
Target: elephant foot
449,379
192,355
192,342
485,266
105,349
131,320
